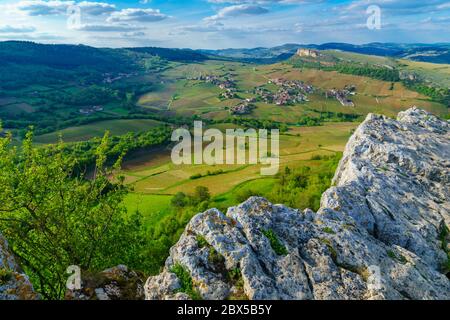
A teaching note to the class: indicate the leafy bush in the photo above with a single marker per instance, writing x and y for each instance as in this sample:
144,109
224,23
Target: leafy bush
303,187
54,219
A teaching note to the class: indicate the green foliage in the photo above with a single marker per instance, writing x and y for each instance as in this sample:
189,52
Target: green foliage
328,230
5,275
437,94
443,237
234,277
353,68
164,233
185,278
303,187
117,146
257,124
215,258
396,257
201,241
275,243
245,194
207,174
54,219
331,248
201,194
179,200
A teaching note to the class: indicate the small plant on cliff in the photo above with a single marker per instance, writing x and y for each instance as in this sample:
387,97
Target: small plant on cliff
443,237
328,230
201,241
5,276
185,278
275,243
235,279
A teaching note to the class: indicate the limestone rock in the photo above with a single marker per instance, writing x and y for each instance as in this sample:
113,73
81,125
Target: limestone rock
377,235
118,283
14,284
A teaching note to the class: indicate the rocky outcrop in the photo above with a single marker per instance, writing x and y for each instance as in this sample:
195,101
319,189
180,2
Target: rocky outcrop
14,284
381,231
118,283
308,53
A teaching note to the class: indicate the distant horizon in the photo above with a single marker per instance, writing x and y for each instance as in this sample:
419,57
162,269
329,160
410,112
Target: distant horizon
224,24
231,48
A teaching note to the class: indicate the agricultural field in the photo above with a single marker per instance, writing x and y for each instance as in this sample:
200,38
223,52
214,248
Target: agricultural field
156,178
97,129
190,97
435,73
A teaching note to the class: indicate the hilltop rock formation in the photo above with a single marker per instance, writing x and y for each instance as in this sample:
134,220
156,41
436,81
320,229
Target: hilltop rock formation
308,53
14,284
381,231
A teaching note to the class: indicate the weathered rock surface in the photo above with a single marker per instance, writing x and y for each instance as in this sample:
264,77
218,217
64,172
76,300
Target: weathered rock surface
14,284
118,283
381,231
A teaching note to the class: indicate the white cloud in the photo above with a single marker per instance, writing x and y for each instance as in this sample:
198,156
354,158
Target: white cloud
238,10
138,15
57,7
16,29
107,28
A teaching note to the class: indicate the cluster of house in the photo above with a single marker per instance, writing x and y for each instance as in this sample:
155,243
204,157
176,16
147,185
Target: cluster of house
244,107
230,93
88,111
110,78
342,95
290,92
225,83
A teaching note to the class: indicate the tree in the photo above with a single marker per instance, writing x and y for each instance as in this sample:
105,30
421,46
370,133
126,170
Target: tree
54,219
201,194
179,200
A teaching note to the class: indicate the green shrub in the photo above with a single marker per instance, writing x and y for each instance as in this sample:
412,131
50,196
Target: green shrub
185,278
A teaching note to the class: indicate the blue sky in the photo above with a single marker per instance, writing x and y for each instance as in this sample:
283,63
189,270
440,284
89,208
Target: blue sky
218,24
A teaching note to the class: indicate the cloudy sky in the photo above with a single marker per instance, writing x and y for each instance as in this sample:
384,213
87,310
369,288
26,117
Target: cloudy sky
221,23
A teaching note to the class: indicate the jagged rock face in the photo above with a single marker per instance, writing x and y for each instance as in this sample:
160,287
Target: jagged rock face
379,234
14,284
118,283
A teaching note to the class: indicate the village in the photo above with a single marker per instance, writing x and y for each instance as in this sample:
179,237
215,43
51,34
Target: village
110,78
342,95
91,110
289,92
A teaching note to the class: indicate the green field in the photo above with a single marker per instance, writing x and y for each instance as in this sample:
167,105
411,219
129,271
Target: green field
155,179
97,129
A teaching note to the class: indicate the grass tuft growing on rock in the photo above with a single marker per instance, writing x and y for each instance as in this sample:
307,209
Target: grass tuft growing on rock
330,247
328,230
235,279
185,278
201,241
5,276
394,256
443,237
275,243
